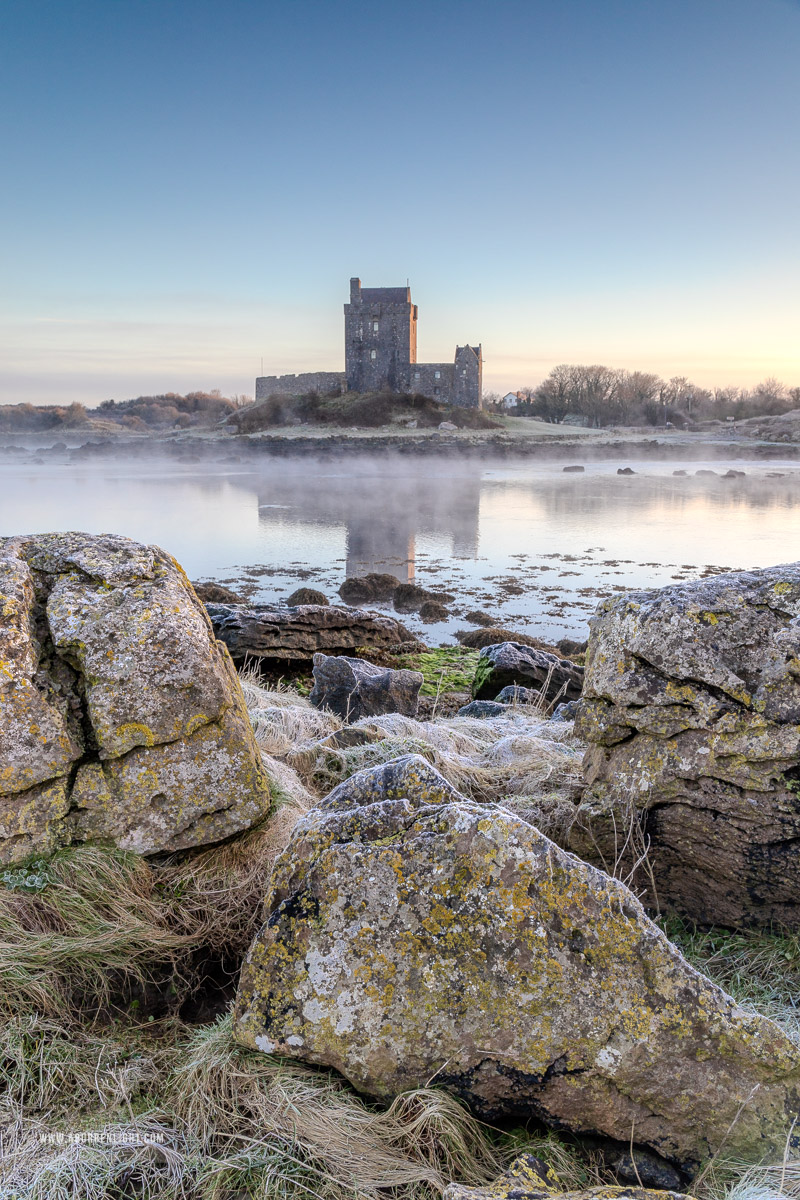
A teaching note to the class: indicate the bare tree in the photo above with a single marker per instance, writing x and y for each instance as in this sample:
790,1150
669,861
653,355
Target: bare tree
557,395
599,394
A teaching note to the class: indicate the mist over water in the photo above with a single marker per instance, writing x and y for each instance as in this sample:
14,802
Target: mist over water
533,546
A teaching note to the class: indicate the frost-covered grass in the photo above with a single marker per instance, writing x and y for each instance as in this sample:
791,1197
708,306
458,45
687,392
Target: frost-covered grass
100,951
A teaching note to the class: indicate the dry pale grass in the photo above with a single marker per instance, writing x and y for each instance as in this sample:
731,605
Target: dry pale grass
199,1118
95,923
513,759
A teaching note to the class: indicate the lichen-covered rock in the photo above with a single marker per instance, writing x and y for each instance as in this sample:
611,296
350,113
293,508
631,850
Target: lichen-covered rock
120,716
691,707
300,633
508,663
354,688
411,935
528,1178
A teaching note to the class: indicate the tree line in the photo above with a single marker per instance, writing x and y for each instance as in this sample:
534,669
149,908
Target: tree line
166,411
599,395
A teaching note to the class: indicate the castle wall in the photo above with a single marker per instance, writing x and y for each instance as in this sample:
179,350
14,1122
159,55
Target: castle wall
299,385
432,379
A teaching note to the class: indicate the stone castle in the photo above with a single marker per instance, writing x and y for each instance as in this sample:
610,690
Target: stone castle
380,353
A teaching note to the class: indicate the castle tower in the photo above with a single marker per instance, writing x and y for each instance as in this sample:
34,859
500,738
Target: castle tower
468,377
380,338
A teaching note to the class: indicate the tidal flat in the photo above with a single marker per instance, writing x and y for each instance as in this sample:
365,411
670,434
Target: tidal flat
533,546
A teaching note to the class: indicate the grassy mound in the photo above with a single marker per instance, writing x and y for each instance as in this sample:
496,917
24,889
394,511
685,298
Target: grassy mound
367,410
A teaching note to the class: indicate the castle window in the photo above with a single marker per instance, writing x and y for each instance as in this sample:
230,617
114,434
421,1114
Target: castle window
437,374
436,391
373,354
374,326
416,374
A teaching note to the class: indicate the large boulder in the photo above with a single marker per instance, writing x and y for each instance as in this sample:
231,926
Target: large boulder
354,688
691,707
121,717
412,935
299,633
508,663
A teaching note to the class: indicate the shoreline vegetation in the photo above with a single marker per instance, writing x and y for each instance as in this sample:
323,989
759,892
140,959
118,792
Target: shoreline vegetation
585,407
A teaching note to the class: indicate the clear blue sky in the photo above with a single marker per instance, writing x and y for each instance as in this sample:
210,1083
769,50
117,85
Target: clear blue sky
188,186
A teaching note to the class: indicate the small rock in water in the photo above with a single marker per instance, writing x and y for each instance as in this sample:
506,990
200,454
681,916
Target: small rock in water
432,610
625,471
680,472
374,586
731,474
569,470
705,471
354,688
409,597
478,617
483,708
306,595
215,593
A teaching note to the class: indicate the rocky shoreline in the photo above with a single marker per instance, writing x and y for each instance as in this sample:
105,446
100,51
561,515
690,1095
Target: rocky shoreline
467,445
454,877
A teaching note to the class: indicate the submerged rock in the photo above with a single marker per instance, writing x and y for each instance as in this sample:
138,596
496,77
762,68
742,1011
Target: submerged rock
433,610
215,593
510,663
410,597
306,595
299,633
691,707
354,688
366,588
120,716
412,934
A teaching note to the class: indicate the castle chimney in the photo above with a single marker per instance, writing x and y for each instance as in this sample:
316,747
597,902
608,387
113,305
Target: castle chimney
355,291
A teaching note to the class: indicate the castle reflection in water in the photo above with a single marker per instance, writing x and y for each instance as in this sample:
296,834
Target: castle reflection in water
384,513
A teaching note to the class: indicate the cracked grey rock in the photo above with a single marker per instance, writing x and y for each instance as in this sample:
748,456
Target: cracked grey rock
121,717
691,708
354,688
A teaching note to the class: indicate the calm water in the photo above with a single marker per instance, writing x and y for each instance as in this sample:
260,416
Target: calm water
525,542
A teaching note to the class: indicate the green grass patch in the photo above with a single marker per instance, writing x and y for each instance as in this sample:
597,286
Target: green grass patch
445,669
761,970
